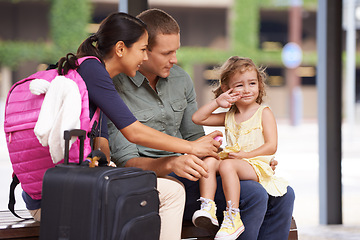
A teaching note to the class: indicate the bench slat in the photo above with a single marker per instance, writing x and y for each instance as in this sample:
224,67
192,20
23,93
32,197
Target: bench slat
14,228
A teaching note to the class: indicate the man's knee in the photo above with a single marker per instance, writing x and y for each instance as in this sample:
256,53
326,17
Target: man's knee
171,190
36,214
253,197
290,195
283,205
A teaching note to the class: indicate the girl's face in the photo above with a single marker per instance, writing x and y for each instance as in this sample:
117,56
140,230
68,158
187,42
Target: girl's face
247,84
135,55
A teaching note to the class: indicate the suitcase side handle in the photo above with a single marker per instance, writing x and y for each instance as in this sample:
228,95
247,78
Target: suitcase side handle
81,134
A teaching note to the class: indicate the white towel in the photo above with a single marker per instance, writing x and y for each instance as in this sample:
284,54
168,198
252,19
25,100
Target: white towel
60,111
39,86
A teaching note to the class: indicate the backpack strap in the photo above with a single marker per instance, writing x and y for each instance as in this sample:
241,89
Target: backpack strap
94,119
80,60
94,122
12,201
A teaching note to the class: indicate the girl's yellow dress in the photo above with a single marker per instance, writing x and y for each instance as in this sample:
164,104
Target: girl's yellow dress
246,137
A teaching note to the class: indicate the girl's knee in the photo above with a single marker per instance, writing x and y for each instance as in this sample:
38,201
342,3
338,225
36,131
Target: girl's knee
226,166
212,163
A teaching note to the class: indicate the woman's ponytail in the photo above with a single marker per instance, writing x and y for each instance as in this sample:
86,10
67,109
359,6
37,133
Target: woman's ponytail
66,63
89,47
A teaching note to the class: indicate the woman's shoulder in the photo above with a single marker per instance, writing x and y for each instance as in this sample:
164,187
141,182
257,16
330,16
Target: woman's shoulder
92,68
91,62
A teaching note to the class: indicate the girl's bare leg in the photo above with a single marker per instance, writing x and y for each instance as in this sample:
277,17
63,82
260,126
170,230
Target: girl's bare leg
205,217
232,171
208,185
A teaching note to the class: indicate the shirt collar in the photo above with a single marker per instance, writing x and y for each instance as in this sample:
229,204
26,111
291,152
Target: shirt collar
139,79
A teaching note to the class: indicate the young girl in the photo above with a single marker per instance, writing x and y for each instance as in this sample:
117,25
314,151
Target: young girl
251,135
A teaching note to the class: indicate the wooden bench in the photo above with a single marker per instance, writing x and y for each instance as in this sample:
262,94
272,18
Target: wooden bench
14,228
190,231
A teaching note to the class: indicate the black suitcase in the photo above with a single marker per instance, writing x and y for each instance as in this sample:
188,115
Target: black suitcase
79,202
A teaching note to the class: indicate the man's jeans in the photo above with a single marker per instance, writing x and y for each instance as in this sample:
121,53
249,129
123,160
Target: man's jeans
265,217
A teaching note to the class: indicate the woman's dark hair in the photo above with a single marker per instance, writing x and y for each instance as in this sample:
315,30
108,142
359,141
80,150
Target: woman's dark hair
116,27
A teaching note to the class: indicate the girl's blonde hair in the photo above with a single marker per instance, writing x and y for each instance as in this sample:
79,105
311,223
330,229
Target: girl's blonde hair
240,65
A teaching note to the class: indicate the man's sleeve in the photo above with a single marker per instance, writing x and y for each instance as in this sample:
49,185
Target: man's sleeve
121,149
189,130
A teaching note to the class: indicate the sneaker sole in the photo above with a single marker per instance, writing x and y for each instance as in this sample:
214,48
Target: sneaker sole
205,222
233,236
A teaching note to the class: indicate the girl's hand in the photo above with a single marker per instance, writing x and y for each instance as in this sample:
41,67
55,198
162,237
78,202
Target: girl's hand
237,155
226,99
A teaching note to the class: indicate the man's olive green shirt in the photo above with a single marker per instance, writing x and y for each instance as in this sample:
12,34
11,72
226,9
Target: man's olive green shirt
168,109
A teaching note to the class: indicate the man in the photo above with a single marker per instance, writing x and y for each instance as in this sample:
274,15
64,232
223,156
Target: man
162,96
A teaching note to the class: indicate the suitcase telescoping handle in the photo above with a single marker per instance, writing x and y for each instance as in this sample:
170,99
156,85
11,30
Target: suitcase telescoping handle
81,134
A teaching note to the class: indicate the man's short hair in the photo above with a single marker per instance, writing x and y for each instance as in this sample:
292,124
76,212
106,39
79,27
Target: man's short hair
158,22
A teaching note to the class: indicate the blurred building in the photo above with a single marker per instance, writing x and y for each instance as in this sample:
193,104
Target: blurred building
203,23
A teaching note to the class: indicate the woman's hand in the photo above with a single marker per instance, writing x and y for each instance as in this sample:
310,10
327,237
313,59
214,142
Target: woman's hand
273,164
206,145
226,99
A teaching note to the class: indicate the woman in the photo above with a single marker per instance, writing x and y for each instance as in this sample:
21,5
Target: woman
120,44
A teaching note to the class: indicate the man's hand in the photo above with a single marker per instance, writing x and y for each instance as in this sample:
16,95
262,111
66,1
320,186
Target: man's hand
207,145
189,166
273,164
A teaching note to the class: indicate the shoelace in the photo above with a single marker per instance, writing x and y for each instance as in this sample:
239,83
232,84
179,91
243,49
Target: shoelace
228,218
205,204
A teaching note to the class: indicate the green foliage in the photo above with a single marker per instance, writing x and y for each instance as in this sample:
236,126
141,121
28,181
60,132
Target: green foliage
307,4
245,24
68,23
11,53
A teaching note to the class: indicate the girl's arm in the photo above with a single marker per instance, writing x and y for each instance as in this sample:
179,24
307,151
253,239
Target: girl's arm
270,138
205,115
146,136
269,131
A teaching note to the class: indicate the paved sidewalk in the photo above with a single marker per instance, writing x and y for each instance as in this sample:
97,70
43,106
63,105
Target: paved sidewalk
298,162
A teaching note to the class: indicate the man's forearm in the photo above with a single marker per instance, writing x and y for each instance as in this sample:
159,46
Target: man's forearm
161,166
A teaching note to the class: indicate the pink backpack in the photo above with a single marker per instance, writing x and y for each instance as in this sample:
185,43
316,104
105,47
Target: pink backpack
29,158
